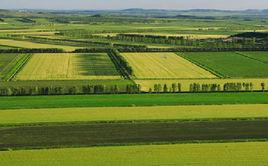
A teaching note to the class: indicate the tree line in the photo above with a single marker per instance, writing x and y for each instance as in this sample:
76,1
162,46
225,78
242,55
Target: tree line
69,90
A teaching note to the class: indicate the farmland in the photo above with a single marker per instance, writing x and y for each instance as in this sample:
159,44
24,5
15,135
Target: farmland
10,64
27,44
156,113
182,154
68,67
124,100
133,87
229,65
164,65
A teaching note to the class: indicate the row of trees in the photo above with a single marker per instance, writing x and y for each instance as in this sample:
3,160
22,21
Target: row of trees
121,63
32,50
197,87
71,90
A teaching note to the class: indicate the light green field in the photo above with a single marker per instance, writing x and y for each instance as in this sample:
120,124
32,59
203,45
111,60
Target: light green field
164,65
185,83
27,44
214,154
68,67
132,113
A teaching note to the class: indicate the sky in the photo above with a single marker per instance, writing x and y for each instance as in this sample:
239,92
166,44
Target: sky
123,4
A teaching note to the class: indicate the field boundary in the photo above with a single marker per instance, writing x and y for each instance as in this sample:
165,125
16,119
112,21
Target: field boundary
218,74
244,55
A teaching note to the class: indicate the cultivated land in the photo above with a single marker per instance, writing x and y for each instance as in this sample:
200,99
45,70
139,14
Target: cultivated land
27,44
176,55
261,56
229,64
164,65
125,133
160,113
68,67
218,154
29,102
10,64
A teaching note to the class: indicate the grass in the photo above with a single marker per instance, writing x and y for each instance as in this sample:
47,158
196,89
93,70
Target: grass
164,65
229,64
99,134
146,85
26,116
261,56
132,100
217,154
27,44
68,67
10,64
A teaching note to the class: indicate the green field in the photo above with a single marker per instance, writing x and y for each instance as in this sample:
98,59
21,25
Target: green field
132,100
219,154
10,64
229,64
260,56
27,116
125,133
68,67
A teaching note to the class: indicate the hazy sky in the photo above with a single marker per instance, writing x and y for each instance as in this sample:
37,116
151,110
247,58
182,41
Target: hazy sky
122,4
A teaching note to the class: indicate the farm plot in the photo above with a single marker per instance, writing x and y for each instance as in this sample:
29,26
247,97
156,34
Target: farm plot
10,64
125,133
156,113
164,65
261,56
68,67
216,154
27,44
229,64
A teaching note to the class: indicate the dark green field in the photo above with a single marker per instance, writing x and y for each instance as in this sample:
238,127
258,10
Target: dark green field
230,64
132,100
73,135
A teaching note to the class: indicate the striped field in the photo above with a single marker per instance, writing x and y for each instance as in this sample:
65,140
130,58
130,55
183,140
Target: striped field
164,65
68,67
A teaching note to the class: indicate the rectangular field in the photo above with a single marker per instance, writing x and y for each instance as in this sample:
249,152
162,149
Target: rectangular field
30,102
68,67
216,154
229,64
125,133
164,65
27,44
27,116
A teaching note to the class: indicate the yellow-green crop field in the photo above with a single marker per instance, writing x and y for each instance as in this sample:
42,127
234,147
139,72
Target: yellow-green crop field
185,83
216,154
67,66
26,116
27,44
164,65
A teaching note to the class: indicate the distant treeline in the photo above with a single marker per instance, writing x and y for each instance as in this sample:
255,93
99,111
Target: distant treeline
128,48
187,41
